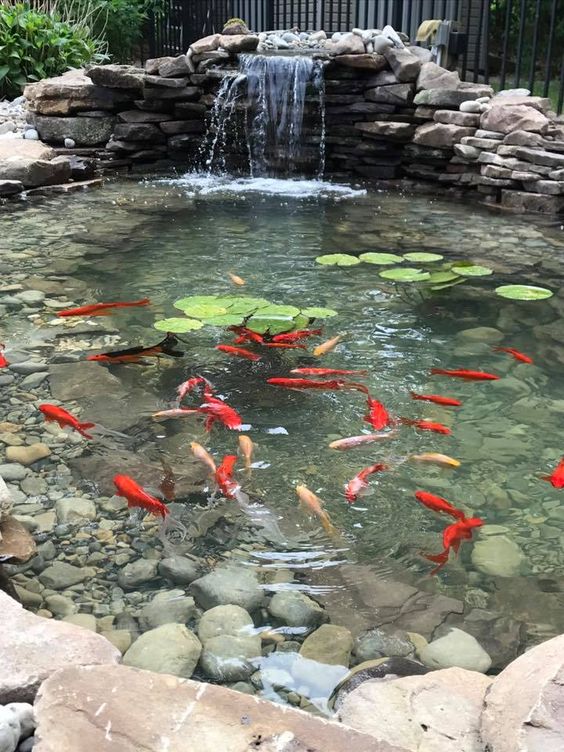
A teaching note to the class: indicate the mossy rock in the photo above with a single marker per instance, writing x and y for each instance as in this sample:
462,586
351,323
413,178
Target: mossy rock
235,26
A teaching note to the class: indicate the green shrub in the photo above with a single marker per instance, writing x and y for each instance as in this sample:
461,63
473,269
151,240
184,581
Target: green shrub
36,45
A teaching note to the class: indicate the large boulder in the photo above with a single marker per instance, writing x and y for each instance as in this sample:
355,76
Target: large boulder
441,135
32,163
32,648
506,119
438,712
239,42
84,131
403,63
432,76
117,76
123,709
73,92
524,708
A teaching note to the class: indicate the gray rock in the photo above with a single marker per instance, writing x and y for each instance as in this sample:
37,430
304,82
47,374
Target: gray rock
405,66
179,569
457,648
329,644
381,43
115,76
75,510
433,76
60,575
9,187
440,135
11,472
205,44
169,606
514,118
60,605
137,573
452,117
445,98
382,642
238,42
397,94
295,609
347,44
168,649
498,556
486,334
83,131
228,585
228,657
16,722
387,130
174,66
229,620
70,93
31,163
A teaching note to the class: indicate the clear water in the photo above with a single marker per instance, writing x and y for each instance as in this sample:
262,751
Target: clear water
170,238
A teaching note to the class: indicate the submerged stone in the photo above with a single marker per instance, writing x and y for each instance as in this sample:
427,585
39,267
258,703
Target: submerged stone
457,648
168,649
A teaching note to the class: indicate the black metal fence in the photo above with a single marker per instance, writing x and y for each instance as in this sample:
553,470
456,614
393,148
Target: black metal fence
503,42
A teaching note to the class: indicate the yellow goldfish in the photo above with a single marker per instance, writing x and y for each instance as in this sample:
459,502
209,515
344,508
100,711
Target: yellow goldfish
246,449
236,279
315,505
204,456
326,347
436,458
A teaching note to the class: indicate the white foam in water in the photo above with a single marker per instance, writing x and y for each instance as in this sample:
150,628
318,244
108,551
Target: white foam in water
203,184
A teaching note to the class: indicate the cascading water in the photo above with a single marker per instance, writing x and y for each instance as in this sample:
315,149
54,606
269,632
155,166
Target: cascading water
272,112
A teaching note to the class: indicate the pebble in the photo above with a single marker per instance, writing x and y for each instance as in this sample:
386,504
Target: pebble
168,649
231,620
27,455
137,573
295,609
166,607
179,569
11,472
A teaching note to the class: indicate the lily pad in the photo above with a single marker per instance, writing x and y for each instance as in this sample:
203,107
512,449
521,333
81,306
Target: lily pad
264,324
400,274
523,292
445,285
380,258
244,305
300,322
201,309
178,325
337,259
227,319
318,313
279,311
472,270
439,278
423,258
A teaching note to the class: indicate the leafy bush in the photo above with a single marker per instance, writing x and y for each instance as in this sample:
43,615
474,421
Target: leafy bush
36,45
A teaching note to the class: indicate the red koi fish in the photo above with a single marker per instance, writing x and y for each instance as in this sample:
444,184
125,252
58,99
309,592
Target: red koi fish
3,362
358,484
426,425
295,336
238,352
437,399
453,535
54,414
102,309
136,354
377,416
189,385
224,477
246,335
327,372
438,504
557,477
218,410
138,497
284,345
515,353
464,373
440,559
335,384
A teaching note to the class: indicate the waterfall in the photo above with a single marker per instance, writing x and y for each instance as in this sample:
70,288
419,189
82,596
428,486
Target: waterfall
272,113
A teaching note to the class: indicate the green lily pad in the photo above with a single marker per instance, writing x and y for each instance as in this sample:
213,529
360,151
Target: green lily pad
318,313
300,322
472,270
523,292
445,285
177,325
227,319
337,259
380,258
264,324
439,278
244,306
279,311
401,274
423,258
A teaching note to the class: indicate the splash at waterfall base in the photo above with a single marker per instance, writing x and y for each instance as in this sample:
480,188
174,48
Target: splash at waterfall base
362,106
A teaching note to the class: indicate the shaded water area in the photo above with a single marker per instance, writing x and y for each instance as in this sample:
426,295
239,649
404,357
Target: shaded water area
166,239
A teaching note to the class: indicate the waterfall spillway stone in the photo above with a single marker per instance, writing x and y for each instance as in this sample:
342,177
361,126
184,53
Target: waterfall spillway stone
271,112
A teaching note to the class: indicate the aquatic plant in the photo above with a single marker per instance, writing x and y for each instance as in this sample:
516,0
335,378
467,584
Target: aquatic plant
523,292
257,314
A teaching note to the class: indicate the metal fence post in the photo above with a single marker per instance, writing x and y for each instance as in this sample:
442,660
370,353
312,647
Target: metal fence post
397,15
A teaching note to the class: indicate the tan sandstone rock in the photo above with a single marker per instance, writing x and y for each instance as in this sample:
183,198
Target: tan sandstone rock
121,709
32,648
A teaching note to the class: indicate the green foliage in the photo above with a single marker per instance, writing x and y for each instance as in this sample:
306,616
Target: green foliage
121,24
257,314
36,45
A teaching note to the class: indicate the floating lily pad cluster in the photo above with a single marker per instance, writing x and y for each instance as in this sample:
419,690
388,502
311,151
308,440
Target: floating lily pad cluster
257,314
437,274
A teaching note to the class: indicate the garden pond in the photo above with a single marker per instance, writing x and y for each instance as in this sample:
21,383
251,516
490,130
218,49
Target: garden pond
169,238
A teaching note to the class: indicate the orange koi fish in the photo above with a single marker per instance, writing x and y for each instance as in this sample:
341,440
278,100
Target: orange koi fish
358,484
438,459
54,414
136,354
335,384
314,504
327,372
366,438
246,335
239,352
515,353
101,309
224,477
328,346
3,362
426,425
453,535
218,410
295,336
463,373
437,399
438,504
136,496
204,456
557,477
246,449
377,416
236,279
189,385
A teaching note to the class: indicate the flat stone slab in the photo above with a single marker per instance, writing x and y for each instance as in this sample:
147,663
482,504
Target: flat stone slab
121,709
32,648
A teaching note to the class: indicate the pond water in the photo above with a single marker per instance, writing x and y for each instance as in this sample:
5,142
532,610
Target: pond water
169,238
